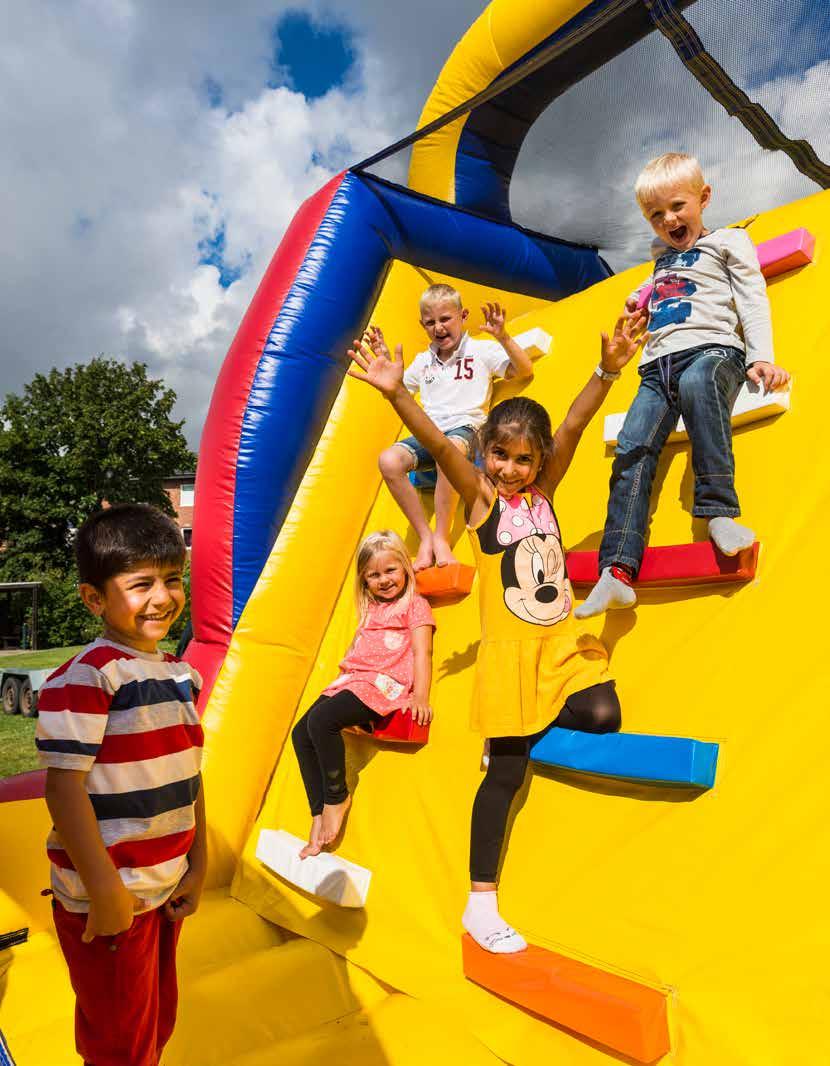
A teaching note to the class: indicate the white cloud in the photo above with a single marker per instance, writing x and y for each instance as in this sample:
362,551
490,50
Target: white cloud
116,167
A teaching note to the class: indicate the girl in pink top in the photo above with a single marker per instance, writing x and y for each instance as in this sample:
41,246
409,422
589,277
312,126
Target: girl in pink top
387,668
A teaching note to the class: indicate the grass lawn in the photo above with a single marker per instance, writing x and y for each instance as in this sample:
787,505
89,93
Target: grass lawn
17,745
39,660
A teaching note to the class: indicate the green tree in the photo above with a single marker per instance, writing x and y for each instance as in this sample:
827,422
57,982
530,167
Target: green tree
95,432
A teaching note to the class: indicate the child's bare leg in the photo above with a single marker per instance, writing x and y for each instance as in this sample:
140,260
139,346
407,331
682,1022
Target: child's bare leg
446,501
395,464
314,845
332,821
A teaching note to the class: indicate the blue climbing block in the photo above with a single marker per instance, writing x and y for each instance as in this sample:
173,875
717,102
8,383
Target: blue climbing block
634,756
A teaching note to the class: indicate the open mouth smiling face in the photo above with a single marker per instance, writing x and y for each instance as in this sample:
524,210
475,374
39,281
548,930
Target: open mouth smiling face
534,580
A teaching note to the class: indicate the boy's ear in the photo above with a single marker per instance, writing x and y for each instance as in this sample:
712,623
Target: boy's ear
705,196
92,598
465,314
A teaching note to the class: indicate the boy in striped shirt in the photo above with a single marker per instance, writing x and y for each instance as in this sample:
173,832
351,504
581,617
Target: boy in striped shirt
121,741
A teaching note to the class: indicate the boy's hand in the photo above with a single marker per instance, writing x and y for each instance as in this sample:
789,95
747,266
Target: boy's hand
420,710
111,913
630,305
382,372
373,338
767,374
628,337
494,318
184,899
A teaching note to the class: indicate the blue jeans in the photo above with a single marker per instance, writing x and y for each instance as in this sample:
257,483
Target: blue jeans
701,384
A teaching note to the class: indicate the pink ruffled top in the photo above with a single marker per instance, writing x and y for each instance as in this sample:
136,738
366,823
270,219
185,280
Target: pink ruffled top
379,667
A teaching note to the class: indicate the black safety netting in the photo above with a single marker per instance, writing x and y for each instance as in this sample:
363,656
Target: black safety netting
767,61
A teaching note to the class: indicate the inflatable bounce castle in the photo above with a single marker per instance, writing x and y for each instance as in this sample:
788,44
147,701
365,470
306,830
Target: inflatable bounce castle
671,882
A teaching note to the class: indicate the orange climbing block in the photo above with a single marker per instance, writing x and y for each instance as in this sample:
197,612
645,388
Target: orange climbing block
621,1014
443,585
673,565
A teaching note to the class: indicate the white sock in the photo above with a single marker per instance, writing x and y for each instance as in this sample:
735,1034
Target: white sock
608,594
729,537
486,926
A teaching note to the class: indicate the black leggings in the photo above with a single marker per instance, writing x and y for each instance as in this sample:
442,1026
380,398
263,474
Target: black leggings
592,710
320,750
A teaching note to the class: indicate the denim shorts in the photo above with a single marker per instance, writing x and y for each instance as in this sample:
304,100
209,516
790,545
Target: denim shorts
423,459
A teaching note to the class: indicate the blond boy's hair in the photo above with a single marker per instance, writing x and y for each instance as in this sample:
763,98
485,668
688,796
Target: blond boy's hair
385,540
673,168
437,293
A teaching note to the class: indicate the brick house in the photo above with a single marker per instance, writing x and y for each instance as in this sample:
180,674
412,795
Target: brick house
181,489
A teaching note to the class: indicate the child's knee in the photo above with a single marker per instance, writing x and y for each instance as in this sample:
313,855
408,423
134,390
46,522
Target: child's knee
395,461
606,718
299,734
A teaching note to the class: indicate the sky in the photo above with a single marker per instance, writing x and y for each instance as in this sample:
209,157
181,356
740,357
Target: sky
154,153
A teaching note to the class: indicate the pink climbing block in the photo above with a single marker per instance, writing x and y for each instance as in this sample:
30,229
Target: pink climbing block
645,296
790,250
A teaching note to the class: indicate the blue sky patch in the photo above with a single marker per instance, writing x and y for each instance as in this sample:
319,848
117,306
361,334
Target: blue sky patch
212,91
212,253
81,225
314,58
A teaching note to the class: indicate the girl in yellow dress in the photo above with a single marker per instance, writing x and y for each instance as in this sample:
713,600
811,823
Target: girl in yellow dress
535,666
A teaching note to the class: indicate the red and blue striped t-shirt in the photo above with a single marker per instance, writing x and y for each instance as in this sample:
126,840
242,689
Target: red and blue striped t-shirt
128,719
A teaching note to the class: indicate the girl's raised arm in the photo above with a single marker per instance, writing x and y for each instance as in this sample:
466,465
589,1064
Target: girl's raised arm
629,335
385,373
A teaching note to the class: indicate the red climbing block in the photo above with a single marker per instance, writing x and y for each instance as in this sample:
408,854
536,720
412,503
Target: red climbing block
786,252
674,565
621,1014
399,728
443,585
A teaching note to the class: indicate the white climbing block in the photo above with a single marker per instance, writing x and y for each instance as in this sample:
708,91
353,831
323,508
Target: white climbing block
751,406
325,875
536,342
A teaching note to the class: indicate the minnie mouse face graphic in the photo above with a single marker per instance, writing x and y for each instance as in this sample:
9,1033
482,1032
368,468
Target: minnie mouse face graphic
534,579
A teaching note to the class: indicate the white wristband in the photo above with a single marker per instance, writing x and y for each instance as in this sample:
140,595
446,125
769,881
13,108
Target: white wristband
607,375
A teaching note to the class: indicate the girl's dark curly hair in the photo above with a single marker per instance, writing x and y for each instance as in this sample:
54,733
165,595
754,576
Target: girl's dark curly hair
517,417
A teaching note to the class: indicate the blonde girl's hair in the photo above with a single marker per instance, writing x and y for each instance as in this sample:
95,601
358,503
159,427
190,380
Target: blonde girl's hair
439,292
666,171
385,540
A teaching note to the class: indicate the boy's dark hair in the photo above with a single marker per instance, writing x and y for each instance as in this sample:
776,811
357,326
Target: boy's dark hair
517,417
119,538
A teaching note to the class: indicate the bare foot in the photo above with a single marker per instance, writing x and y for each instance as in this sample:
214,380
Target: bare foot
425,556
333,815
315,844
443,551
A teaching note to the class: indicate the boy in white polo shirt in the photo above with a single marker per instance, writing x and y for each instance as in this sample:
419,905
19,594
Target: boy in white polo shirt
454,376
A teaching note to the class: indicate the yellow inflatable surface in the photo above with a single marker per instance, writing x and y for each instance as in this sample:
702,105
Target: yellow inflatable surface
715,898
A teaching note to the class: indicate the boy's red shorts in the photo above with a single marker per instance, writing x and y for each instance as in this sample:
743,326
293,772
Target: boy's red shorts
125,988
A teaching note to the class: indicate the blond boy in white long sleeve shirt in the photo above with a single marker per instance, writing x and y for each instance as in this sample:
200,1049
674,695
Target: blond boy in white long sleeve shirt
709,329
